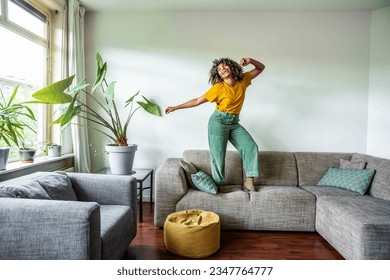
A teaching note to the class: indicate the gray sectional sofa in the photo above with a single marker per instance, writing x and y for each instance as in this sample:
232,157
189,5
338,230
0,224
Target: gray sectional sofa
50,215
287,199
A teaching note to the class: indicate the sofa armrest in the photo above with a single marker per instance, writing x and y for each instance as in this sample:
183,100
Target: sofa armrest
49,229
105,189
170,187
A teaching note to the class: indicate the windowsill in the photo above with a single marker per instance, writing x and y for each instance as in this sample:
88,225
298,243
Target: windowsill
45,163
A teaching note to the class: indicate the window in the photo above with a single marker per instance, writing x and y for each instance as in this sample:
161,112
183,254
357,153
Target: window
24,56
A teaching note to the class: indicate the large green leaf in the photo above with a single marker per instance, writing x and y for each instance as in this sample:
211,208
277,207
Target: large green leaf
54,93
69,113
69,116
101,72
99,60
80,86
13,96
109,94
150,107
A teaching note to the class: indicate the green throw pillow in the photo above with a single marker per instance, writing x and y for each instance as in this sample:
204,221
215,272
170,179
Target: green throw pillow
350,179
204,182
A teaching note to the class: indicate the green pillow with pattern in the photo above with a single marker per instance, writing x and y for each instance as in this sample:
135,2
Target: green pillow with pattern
357,180
204,182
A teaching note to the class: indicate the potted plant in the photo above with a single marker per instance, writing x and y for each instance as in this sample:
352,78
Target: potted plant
26,153
12,126
53,150
106,121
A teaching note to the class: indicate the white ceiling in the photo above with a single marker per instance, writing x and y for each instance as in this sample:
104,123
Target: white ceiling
238,5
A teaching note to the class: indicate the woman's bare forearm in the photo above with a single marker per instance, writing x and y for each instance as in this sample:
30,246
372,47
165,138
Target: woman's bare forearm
189,104
259,67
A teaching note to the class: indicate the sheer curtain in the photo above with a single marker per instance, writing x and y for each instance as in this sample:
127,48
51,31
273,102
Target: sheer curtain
77,66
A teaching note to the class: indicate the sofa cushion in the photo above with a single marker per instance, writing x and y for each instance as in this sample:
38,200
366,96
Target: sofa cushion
57,185
116,230
320,191
233,165
312,166
231,204
286,208
350,179
204,182
352,164
380,186
26,189
5,192
277,169
189,170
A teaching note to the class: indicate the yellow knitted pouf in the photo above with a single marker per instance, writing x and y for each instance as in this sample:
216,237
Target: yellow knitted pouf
192,233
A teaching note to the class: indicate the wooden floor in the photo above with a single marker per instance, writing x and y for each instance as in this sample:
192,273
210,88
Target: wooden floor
235,245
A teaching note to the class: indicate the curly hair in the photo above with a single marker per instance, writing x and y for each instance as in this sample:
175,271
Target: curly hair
236,68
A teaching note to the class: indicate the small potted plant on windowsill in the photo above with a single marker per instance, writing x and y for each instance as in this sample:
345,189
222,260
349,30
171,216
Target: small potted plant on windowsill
53,150
106,119
26,153
13,125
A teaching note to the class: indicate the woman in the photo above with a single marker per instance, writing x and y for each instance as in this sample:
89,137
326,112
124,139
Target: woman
228,89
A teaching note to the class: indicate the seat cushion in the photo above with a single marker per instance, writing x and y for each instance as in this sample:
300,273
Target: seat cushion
231,204
285,208
116,230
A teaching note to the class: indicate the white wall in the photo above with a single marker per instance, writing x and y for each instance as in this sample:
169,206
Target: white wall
312,96
378,138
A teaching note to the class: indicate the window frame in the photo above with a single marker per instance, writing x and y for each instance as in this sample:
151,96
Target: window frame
5,22
44,111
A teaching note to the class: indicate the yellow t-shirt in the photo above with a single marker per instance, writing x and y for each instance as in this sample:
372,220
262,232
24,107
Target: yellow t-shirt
229,98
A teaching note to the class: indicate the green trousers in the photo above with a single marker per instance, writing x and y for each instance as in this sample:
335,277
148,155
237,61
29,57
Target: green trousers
224,127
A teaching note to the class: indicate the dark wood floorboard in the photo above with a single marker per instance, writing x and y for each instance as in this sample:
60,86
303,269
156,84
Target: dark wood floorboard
235,245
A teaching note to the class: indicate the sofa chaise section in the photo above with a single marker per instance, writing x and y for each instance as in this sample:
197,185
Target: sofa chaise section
357,226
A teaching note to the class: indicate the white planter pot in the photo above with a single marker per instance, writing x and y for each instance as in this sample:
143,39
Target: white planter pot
4,153
54,151
121,158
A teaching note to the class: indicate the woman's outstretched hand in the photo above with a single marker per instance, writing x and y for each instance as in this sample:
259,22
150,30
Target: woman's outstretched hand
189,104
169,109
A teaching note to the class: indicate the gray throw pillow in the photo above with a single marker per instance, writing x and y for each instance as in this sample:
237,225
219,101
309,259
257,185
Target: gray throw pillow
189,170
57,185
4,192
352,164
26,189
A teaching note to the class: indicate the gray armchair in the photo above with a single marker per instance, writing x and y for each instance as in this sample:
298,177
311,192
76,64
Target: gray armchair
100,224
